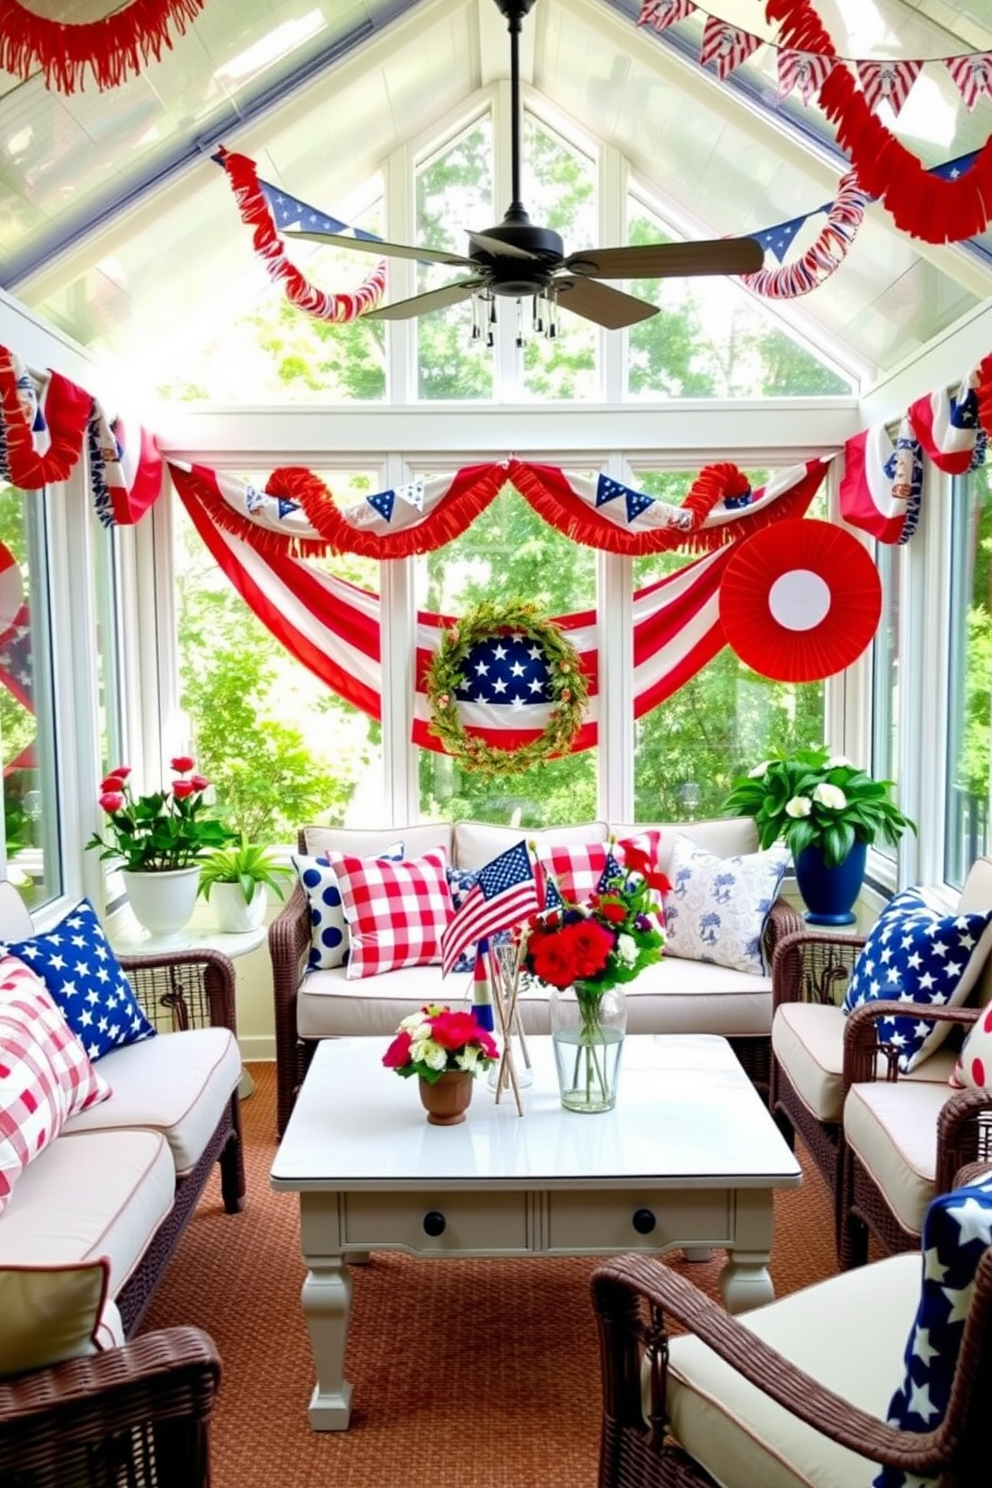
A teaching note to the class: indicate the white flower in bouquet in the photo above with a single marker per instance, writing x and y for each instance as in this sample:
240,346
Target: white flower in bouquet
798,806
830,796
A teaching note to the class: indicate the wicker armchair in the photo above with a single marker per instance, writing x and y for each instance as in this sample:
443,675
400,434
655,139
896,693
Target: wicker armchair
958,1132
134,1417
632,1296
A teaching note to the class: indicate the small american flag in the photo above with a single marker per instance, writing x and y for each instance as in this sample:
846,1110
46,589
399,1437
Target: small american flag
504,893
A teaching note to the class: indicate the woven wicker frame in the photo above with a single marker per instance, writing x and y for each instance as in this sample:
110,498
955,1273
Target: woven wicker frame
133,1417
632,1297
289,951
964,1135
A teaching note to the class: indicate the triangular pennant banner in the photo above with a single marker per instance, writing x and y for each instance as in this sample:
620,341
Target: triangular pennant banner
727,46
972,76
778,239
608,489
805,72
660,14
289,211
888,82
383,502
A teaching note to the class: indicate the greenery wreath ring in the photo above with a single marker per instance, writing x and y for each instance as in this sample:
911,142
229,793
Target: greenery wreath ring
566,684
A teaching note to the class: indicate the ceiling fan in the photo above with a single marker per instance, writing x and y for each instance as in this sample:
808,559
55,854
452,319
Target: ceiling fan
518,259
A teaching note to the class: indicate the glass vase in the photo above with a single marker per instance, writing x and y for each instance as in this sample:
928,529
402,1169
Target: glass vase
587,1031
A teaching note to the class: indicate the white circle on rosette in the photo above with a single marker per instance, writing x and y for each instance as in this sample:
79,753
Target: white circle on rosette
799,599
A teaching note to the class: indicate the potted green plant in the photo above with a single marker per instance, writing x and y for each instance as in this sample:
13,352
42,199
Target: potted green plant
158,840
238,877
828,812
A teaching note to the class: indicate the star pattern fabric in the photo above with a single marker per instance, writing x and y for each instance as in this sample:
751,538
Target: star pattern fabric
957,1232
506,669
86,980
923,958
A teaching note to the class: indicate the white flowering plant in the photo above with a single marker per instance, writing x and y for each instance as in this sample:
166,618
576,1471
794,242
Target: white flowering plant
813,797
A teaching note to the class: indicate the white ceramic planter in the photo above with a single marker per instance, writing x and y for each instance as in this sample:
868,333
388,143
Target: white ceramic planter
163,902
233,915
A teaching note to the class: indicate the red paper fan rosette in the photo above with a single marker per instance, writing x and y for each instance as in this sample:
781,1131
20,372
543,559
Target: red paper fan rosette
800,601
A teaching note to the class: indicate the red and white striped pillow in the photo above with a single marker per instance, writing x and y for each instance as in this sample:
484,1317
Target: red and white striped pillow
45,1073
396,912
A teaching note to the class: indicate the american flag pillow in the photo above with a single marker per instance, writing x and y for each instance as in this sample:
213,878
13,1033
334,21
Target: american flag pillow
396,912
45,1073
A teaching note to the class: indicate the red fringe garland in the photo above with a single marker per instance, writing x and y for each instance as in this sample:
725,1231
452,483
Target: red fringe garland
68,408
922,204
339,309
547,491
113,48
543,487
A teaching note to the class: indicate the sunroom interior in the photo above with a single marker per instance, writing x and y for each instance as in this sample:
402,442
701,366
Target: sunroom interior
243,498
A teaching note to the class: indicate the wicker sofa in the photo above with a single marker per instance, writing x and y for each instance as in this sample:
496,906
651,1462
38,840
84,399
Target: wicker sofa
121,1179
676,996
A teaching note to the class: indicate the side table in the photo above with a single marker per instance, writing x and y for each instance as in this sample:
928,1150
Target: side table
128,938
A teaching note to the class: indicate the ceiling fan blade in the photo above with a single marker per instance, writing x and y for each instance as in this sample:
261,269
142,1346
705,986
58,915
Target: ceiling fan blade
387,250
498,248
669,260
435,299
610,308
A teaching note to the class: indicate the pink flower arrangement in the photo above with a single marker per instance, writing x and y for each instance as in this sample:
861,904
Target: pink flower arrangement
162,830
437,1040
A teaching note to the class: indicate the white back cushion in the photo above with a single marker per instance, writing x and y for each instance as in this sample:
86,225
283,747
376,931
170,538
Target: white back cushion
725,837
360,842
976,894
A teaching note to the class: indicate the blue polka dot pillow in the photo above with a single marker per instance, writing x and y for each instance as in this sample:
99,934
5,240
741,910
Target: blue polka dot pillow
85,979
919,954
957,1232
328,926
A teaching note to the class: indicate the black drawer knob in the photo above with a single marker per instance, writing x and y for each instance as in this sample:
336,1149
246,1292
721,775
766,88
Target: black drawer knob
434,1222
644,1221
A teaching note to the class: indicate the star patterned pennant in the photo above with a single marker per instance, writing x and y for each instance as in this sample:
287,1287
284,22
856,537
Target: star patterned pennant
918,956
383,502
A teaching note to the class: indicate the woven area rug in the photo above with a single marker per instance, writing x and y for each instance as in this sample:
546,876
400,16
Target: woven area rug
466,1374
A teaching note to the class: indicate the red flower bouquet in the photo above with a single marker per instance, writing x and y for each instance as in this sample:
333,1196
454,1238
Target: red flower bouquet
162,830
438,1040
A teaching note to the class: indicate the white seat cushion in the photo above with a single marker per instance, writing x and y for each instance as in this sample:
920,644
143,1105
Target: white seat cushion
746,1440
808,1044
673,996
893,1130
177,1083
100,1193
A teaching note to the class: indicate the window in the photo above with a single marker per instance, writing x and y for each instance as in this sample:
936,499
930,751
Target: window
508,553
969,714
711,340
885,677
27,721
722,721
279,748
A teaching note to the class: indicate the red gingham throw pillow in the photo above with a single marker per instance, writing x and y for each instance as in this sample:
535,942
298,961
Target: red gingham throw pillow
45,1073
396,912
575,867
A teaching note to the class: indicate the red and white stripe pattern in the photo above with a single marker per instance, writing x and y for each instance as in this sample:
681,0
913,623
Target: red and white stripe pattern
888,82
972,76
728,46
880,487
126,467
397,913
45,1072
822,258
947,426
805,72
332,626
660,14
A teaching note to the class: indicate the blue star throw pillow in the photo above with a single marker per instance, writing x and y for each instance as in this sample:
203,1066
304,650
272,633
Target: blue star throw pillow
86,980
956,1234
920,955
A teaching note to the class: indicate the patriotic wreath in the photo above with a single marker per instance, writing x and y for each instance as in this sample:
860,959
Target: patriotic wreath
566,685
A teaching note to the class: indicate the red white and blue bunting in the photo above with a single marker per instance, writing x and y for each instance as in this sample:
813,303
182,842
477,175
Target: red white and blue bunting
264,208
881,484
297,511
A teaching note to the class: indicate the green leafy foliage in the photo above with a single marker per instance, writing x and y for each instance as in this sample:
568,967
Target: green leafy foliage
246,863
813,797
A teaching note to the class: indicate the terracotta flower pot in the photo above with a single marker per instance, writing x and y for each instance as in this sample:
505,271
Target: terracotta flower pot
448,1098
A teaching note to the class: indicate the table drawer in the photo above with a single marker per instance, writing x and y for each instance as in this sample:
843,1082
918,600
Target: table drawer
637,1219
436,1224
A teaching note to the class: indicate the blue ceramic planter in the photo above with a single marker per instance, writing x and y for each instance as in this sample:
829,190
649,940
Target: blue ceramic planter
830,893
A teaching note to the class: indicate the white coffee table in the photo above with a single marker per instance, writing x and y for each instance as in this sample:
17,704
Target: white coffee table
689,1158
